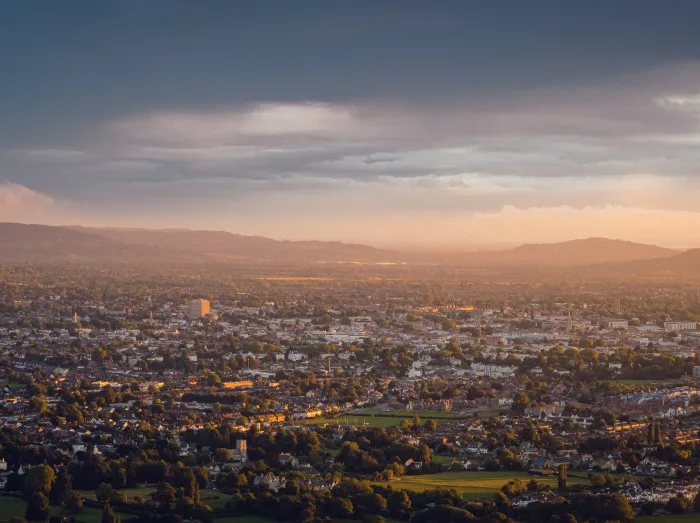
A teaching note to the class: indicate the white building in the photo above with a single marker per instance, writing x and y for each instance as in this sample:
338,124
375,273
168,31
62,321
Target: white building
677,326
612,323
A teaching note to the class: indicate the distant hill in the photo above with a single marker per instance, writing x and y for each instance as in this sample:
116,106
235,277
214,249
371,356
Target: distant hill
574,253
20,243
682,265
41,243
588,251
226,245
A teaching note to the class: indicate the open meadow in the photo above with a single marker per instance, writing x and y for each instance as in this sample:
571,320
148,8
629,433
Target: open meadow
471,484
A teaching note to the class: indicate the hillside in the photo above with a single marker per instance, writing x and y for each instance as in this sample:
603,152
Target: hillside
588,251
20,243
683,265
41,243
574,253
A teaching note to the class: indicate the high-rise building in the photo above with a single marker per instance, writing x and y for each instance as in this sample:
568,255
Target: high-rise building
198,309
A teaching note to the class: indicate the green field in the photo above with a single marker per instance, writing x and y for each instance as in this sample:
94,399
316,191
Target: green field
243,519
443,459
380,418
422,414
214,499
370,421
644,382
130,493
671,518
470,484
15,507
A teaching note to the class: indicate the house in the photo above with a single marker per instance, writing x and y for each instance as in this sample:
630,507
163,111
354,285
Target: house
273,482
287,460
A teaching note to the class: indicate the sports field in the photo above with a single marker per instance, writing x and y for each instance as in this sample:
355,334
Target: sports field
471,484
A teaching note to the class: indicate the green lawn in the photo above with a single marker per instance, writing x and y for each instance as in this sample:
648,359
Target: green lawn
370,421
643,382
379,418
143,491
422,414
670,518
11,507
470,484
443,459
214,499
15,507
243,519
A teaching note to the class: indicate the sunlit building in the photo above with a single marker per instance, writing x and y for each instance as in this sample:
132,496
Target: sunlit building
198,309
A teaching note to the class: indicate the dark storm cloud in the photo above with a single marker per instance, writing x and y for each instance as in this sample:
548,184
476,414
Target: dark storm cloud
126,101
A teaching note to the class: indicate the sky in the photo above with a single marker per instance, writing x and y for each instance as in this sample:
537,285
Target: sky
389,122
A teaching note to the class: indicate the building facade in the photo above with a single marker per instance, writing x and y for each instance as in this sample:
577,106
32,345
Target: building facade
198,309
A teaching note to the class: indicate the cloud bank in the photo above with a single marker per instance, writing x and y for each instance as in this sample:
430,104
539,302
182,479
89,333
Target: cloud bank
21,204
619,151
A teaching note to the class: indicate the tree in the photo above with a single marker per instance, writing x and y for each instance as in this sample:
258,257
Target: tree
73,502
617,507
38,404
374,503
103,492
39,479
444,514
520,402
430,425
398,502
677,504
696,503
37,506
598,480
61,487
165,493
424,454
108,515
561,476
341,507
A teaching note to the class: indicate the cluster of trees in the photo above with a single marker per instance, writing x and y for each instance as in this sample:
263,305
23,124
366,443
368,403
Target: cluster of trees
384,450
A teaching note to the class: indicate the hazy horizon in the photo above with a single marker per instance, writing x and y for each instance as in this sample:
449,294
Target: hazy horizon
454,125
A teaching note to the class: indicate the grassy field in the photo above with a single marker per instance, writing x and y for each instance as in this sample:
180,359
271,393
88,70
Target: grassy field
214,499
643,382
130,493
243,519
422,414
443,459
671,518
381,418
370,421
15,507
470,484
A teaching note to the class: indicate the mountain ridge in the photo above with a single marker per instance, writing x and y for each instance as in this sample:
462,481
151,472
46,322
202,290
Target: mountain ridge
40,243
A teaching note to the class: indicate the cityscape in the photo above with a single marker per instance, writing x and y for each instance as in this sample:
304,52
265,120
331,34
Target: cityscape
379,261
